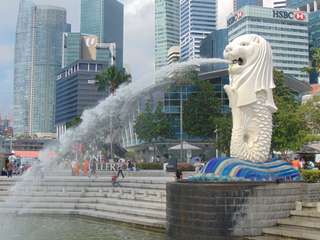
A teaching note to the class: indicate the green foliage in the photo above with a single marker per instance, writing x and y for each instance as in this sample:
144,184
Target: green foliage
153,125
201,110
111,78
310,112
74,122
311,176
224,127
288,131
311,138
149,166
185,166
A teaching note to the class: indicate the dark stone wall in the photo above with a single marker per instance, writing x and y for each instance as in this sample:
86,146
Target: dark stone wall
230,210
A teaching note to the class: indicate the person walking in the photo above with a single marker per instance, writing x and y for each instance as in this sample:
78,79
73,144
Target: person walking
93,168
120,169
9,169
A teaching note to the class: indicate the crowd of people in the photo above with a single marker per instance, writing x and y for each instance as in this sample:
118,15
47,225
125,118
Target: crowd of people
301,163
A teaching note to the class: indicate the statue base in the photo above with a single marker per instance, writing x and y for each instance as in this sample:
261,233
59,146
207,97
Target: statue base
233,169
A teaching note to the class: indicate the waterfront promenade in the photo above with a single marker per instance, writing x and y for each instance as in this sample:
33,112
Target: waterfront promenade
138,199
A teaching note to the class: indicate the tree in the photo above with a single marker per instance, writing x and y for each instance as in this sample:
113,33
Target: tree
288,131
201,110
111,78
74,122
310,112
224,131
151,126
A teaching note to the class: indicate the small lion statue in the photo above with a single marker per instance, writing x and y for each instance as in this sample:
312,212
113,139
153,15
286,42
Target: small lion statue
250,97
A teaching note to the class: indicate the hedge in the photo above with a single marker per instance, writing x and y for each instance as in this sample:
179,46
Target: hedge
311,176
150,166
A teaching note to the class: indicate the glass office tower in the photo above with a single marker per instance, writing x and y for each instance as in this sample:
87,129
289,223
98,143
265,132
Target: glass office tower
197,20
237,4
104,18
37,61
167,28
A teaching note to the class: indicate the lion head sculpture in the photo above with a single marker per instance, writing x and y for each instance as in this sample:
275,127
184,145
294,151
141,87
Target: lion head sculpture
251,69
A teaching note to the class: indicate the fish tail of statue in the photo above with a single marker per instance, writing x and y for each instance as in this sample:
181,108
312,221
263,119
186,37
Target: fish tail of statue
252,140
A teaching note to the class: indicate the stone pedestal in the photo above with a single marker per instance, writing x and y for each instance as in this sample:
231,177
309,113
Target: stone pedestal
230,210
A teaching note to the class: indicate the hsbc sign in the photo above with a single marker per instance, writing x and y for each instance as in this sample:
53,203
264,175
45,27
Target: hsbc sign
295,15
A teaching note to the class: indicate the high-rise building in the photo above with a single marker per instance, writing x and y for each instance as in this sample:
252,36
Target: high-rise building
197,20
104,18
77,91
313,9
280,4
37,61
77,46
167,28
212,47
173,55
237,4
285,29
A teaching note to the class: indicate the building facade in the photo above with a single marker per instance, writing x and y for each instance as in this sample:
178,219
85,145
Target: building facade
173,55
167,28
105,19
212,47
285,29
237,4
280,4
76,91
78,46
198,18
313,9
37,61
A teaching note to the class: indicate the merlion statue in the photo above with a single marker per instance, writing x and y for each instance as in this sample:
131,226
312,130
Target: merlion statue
250,97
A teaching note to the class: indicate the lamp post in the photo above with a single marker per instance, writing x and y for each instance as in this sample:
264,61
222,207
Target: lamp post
216,133
181,126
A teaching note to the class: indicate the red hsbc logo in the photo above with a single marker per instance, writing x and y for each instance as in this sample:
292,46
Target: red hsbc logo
299,16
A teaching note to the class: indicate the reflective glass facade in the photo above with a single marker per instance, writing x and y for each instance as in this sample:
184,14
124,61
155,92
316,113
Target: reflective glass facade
76,89
212,47
288,36
313,8
167,28
237,4
104,18
38,57
197,20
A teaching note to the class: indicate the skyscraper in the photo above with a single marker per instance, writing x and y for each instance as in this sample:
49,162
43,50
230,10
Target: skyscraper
288,36
104,18
37,61
197,20
167,28
237,4
313,9
280,4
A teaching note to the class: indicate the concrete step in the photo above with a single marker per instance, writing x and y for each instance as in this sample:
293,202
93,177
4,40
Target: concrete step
293,232
149,222
143,221
300,222
107,201
155,214
85,206
306,213
269,238
118,196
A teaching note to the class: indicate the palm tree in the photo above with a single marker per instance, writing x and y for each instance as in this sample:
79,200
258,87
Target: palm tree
111,78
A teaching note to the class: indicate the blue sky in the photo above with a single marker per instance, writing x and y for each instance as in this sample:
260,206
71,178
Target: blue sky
139,38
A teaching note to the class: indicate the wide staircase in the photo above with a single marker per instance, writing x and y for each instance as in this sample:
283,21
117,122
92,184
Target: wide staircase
303,223
140,201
